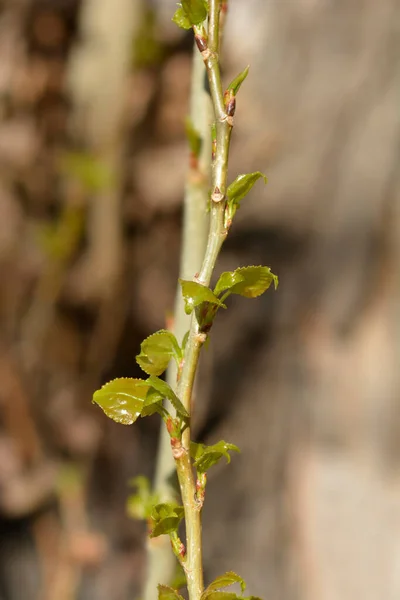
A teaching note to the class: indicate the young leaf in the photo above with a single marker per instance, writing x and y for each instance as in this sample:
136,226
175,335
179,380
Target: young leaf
195,294
226,580
193,137
196,10
156,351
237,82
153,404
168,593
239,188
185,340
246,281
205,457
227,281
179,579
165,518
167,392
181,19
218,595
205,314
122,399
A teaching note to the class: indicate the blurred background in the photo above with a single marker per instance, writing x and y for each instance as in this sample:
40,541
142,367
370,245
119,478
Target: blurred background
306,381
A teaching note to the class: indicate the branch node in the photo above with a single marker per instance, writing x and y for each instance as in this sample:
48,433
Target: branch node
201,337
177,449
227,118
217,195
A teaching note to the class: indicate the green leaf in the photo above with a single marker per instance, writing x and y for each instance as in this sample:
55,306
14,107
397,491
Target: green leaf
185,340
179,579
190,12
168,593
217,595
205,457
237,191
122,399
181,19
153,404
237,82
227,280
225,580
195,294
167,392
246,281
140,505
165,518
156,351
239,188
196,10
193,137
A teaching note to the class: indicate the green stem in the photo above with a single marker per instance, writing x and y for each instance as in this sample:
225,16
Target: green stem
193,564
194,557
217,235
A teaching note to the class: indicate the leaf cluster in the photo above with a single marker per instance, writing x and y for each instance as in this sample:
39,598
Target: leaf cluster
214,591
249,282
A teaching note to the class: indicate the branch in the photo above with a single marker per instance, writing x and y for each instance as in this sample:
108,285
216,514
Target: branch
217,235
161,562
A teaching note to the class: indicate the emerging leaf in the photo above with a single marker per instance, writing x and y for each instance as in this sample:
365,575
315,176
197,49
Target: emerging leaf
237,82
196,10
179,579
226,580
153,404
205,314
227,281
218,595
205,457
239,188
156,351
185,340
181,19
193,137
165,518
246,281
168,593
190,12
122,399
166,391
195,294
212,592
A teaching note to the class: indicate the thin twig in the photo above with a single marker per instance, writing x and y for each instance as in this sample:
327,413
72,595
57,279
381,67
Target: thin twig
217,235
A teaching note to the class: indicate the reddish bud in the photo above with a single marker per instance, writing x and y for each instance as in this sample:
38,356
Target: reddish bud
182,550
231,107
201,43
170,425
